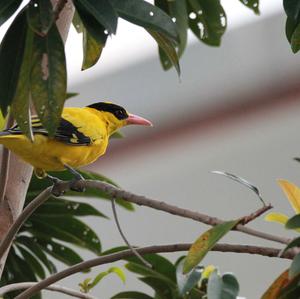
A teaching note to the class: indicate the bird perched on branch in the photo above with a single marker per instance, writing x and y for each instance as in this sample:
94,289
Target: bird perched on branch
81,138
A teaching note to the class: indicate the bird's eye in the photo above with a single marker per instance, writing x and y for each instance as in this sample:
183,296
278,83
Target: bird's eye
120,114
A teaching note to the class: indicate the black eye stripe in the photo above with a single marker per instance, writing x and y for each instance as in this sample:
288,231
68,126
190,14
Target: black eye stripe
118,111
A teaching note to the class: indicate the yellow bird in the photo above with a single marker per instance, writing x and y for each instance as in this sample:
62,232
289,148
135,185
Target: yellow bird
81,138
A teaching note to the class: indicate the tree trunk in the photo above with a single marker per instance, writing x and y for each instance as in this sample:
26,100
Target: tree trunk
19,173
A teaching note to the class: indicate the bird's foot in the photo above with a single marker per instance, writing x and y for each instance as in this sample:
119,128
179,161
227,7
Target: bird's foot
75,185
56,188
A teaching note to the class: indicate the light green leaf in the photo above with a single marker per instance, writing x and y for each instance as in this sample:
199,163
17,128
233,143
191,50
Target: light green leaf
214,286
205,243
295,267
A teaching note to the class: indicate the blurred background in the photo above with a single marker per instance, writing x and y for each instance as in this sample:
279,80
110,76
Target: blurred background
234,108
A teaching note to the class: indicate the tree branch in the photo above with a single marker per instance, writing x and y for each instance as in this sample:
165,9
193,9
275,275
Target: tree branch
56,288
58,8
265,251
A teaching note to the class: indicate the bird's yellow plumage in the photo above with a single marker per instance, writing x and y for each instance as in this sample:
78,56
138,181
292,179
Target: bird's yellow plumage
81,138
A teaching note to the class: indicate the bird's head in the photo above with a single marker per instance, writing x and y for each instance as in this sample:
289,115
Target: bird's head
116,116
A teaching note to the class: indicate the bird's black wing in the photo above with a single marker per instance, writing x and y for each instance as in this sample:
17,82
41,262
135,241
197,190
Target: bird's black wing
66,132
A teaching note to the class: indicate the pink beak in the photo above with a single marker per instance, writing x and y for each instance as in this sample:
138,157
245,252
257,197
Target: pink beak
137,120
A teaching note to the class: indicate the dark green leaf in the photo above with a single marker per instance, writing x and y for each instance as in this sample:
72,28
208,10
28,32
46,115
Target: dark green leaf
230,286
86,21
207,19
40,16
34,264
205,242
77,23
293,243
162,291
7,8
293,222
11,57
177,10
71,95
102,11
35,248
49,78
59,251
144,14
63,207
67,229
160,265
292,9
91,50
187,282
169,50
290,27
131,295
20,101
295,267
252,4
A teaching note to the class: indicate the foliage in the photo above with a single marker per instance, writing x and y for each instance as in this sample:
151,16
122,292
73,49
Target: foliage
35,63
55,225
168,281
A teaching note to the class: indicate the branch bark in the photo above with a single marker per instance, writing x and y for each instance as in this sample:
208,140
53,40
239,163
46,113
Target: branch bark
18,172
54,287
265,251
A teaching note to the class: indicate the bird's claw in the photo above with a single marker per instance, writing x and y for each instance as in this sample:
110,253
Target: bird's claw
74,186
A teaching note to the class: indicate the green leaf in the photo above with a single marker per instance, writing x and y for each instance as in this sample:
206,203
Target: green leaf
214,286
59,251
290,27
177,10
35,248
77,23
167,47
293,222
86,21
102,11
40,16
293,243
131,295
205,243
144,14
162,291
207,20
187,282
292,9
20,101
92,50
295,39
118,271
49,78
230,287
252,4
117,135
11,57
71,95
67,229
63,207
7,8
33,262
295,267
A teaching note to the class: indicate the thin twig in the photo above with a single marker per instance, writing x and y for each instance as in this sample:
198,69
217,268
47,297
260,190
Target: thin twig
113,205
58,8
29,209
5,162
265,251
256,214
56,288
